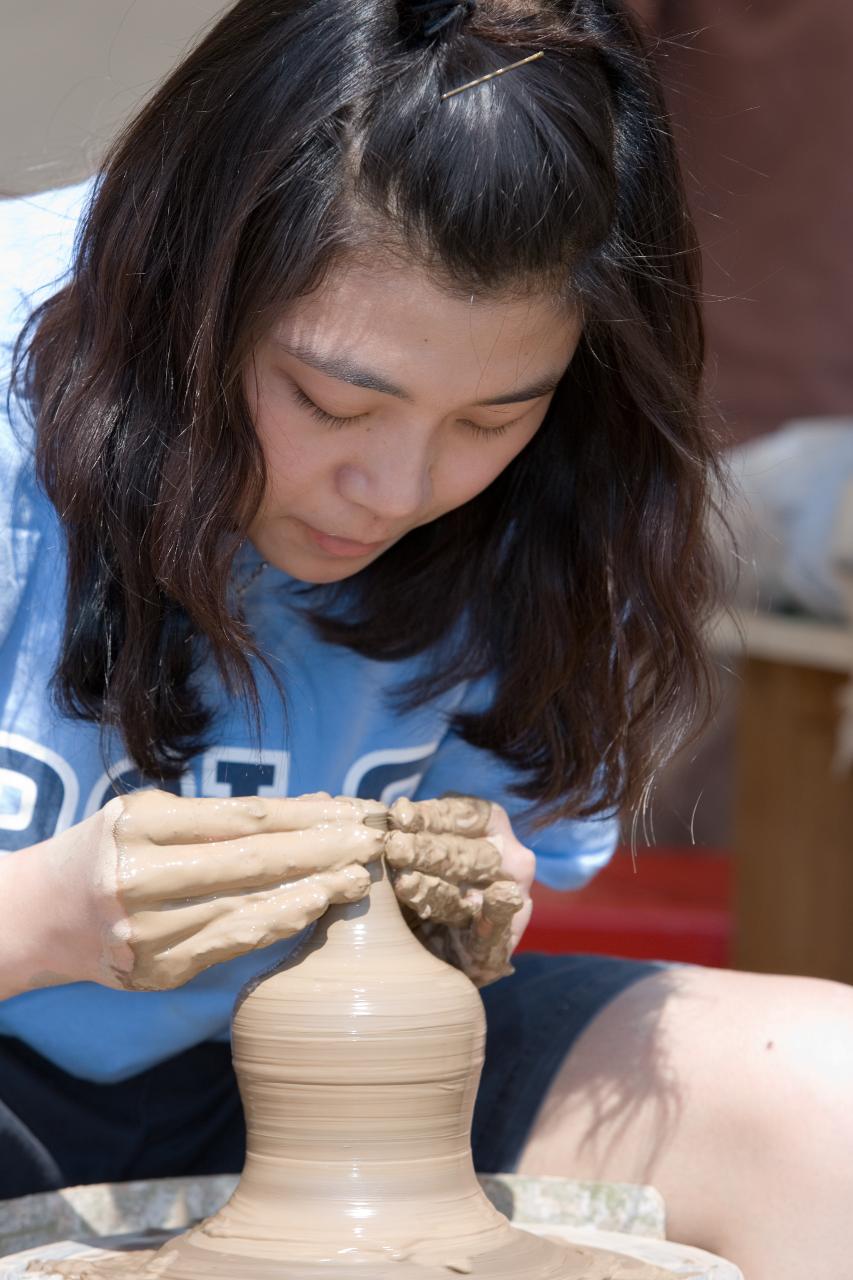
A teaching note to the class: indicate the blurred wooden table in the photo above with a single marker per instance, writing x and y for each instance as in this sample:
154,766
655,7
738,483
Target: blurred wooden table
793,808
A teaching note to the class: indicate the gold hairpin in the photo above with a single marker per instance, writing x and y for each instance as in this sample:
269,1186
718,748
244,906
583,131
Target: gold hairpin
532,57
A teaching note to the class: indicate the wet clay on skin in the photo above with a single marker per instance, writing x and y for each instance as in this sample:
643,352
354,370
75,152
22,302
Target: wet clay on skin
358,1062
201,882
446,869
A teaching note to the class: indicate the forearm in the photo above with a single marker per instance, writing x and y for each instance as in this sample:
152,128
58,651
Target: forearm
30,950
50,928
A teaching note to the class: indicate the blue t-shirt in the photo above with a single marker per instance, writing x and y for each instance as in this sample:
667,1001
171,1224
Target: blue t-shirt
338,733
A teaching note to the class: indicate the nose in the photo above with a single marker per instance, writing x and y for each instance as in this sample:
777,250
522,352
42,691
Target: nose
391,479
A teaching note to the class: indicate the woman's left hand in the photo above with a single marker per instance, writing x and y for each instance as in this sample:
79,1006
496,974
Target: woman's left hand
457,865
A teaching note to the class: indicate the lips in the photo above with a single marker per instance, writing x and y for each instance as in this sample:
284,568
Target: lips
337,546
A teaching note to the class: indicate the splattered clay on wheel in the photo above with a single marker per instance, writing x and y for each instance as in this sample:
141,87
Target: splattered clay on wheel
580,1263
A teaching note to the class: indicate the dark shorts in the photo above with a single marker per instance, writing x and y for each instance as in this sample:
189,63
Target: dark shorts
183,1117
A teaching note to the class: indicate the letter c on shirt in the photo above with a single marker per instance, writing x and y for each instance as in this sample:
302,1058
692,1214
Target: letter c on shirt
385,775
38,792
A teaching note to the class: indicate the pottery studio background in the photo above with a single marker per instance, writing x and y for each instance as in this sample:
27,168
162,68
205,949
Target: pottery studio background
750,857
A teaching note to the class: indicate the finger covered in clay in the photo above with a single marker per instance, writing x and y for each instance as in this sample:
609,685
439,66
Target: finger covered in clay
488,945
170,947
162,818
460,859
451,815
501,901
432,898
481,941
151,874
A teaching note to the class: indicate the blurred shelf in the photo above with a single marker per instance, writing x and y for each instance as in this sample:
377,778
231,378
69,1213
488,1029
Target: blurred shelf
793,822
776,637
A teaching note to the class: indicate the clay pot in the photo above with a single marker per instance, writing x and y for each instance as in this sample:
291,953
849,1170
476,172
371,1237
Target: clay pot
358,1062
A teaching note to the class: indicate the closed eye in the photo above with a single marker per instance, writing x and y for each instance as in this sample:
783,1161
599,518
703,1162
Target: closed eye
334,420
320,414
488,431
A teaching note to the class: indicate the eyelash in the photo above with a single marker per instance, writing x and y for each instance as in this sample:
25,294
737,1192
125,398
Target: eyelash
490,432
320,414
332,421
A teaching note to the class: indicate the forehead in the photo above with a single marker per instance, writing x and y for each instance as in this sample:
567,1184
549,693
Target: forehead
399,320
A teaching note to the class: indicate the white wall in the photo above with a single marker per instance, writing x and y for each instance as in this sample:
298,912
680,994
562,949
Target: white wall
72,70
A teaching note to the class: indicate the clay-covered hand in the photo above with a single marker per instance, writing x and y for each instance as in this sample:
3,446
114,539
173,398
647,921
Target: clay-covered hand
171,885
461,872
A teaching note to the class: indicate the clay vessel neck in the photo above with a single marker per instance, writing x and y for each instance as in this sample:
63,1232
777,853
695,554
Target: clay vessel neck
375,926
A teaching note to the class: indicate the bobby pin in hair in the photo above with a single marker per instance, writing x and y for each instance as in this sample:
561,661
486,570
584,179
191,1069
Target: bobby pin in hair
532,57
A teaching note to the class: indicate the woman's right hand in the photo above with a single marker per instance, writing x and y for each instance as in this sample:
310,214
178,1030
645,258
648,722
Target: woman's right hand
154,888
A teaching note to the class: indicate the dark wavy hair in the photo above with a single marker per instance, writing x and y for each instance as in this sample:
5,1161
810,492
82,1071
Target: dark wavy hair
293,133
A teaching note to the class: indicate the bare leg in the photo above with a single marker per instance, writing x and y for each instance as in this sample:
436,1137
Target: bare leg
732,1093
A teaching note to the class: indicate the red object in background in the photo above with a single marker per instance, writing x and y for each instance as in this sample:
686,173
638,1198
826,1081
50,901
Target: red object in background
677,906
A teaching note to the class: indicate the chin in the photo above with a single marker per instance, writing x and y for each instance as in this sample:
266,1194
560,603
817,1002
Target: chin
313,569
324,574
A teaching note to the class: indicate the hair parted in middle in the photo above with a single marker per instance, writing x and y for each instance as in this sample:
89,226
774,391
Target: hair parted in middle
294,134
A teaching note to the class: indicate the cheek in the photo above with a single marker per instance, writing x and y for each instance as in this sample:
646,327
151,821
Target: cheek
467,472
294,457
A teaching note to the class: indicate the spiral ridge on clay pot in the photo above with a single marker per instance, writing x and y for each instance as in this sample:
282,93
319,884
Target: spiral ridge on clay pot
358,1061
358,1064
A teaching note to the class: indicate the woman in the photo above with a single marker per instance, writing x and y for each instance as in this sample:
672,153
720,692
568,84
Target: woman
368,428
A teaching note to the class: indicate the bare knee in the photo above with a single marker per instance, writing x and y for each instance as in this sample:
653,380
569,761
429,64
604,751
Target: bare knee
802,1105
706,1074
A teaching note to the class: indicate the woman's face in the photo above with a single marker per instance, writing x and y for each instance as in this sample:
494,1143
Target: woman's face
382,402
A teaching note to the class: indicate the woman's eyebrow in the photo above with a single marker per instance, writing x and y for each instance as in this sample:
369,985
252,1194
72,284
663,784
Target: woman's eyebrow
343,368
347,370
